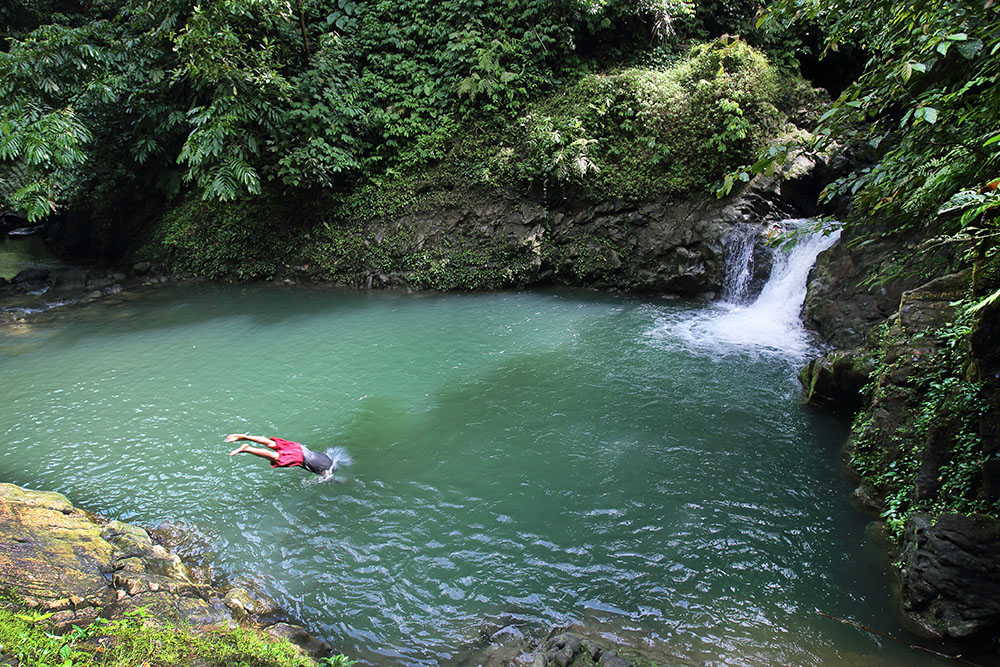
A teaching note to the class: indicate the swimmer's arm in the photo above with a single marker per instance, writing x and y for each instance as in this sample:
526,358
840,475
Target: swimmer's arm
267,442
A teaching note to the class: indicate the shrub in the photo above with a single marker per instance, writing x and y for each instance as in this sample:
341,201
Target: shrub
640,133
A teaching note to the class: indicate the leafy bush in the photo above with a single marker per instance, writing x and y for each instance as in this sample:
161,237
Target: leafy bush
244,240
642,133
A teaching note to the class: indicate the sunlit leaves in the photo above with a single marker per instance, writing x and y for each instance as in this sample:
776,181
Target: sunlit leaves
923,114
926,114
232,93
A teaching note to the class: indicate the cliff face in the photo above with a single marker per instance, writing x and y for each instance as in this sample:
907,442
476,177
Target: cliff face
483,240
925,437
61,559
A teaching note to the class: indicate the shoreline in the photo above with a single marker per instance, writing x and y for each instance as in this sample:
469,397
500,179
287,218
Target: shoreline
108,568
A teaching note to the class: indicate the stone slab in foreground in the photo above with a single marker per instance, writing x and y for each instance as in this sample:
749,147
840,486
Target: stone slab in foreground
61,559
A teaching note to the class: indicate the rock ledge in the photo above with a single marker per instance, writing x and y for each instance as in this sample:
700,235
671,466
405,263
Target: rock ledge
79,566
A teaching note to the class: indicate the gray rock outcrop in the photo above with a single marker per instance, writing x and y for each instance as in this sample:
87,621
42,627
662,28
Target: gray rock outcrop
950,578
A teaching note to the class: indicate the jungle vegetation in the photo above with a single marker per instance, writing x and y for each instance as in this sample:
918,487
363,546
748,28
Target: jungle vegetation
106,104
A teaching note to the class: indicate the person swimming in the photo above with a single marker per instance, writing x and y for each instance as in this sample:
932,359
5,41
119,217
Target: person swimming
284,453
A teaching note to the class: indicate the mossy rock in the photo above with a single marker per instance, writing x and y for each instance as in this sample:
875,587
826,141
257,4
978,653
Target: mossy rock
51,554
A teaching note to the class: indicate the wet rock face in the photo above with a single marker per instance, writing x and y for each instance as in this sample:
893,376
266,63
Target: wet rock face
950,578
61,559
838,305
835,380
950,565
662,246
31,276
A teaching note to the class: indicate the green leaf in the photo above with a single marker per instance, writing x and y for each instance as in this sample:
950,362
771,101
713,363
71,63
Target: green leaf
927,114
984,302
970,49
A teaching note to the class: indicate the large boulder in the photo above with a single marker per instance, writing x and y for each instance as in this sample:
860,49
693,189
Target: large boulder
51,553
950,578
838,304
835,380
61,559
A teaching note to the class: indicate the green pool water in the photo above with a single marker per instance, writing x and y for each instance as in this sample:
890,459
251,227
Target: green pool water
543,458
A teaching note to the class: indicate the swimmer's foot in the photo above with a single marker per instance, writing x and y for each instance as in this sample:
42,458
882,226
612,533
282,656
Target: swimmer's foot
241,448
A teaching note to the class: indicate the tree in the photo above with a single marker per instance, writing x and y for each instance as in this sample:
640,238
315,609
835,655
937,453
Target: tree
231,94
922,116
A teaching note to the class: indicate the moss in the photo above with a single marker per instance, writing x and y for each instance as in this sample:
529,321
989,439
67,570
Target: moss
25,637
646,133
459,261
928,418
589,258
243,240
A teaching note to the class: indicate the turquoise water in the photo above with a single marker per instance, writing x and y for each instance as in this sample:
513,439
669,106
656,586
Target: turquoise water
541,457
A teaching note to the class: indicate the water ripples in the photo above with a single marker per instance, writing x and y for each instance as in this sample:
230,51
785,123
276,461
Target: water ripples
538,459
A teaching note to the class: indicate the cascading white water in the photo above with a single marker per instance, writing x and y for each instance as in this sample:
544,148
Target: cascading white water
772,322
739,247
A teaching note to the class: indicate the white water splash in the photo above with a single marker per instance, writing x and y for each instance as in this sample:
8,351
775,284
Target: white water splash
340,458
771,324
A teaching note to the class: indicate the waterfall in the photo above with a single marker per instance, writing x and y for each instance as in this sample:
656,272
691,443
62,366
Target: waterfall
785,291
739,248
772,323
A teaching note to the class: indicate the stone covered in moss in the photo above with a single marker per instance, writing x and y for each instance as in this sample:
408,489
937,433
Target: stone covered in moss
52,554
60,559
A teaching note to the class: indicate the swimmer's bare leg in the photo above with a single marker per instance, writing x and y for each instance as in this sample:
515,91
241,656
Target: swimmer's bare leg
259,439
271,456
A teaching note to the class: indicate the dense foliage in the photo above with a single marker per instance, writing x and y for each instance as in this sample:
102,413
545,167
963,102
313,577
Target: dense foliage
632,134
920,121
639,133
231,95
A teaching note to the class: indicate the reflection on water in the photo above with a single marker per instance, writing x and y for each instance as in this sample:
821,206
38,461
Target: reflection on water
22,252
551,457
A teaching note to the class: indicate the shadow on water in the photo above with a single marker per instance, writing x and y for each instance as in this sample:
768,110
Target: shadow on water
194,306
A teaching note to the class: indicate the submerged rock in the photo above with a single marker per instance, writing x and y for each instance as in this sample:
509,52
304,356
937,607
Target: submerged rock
580,645
299,636
32,276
